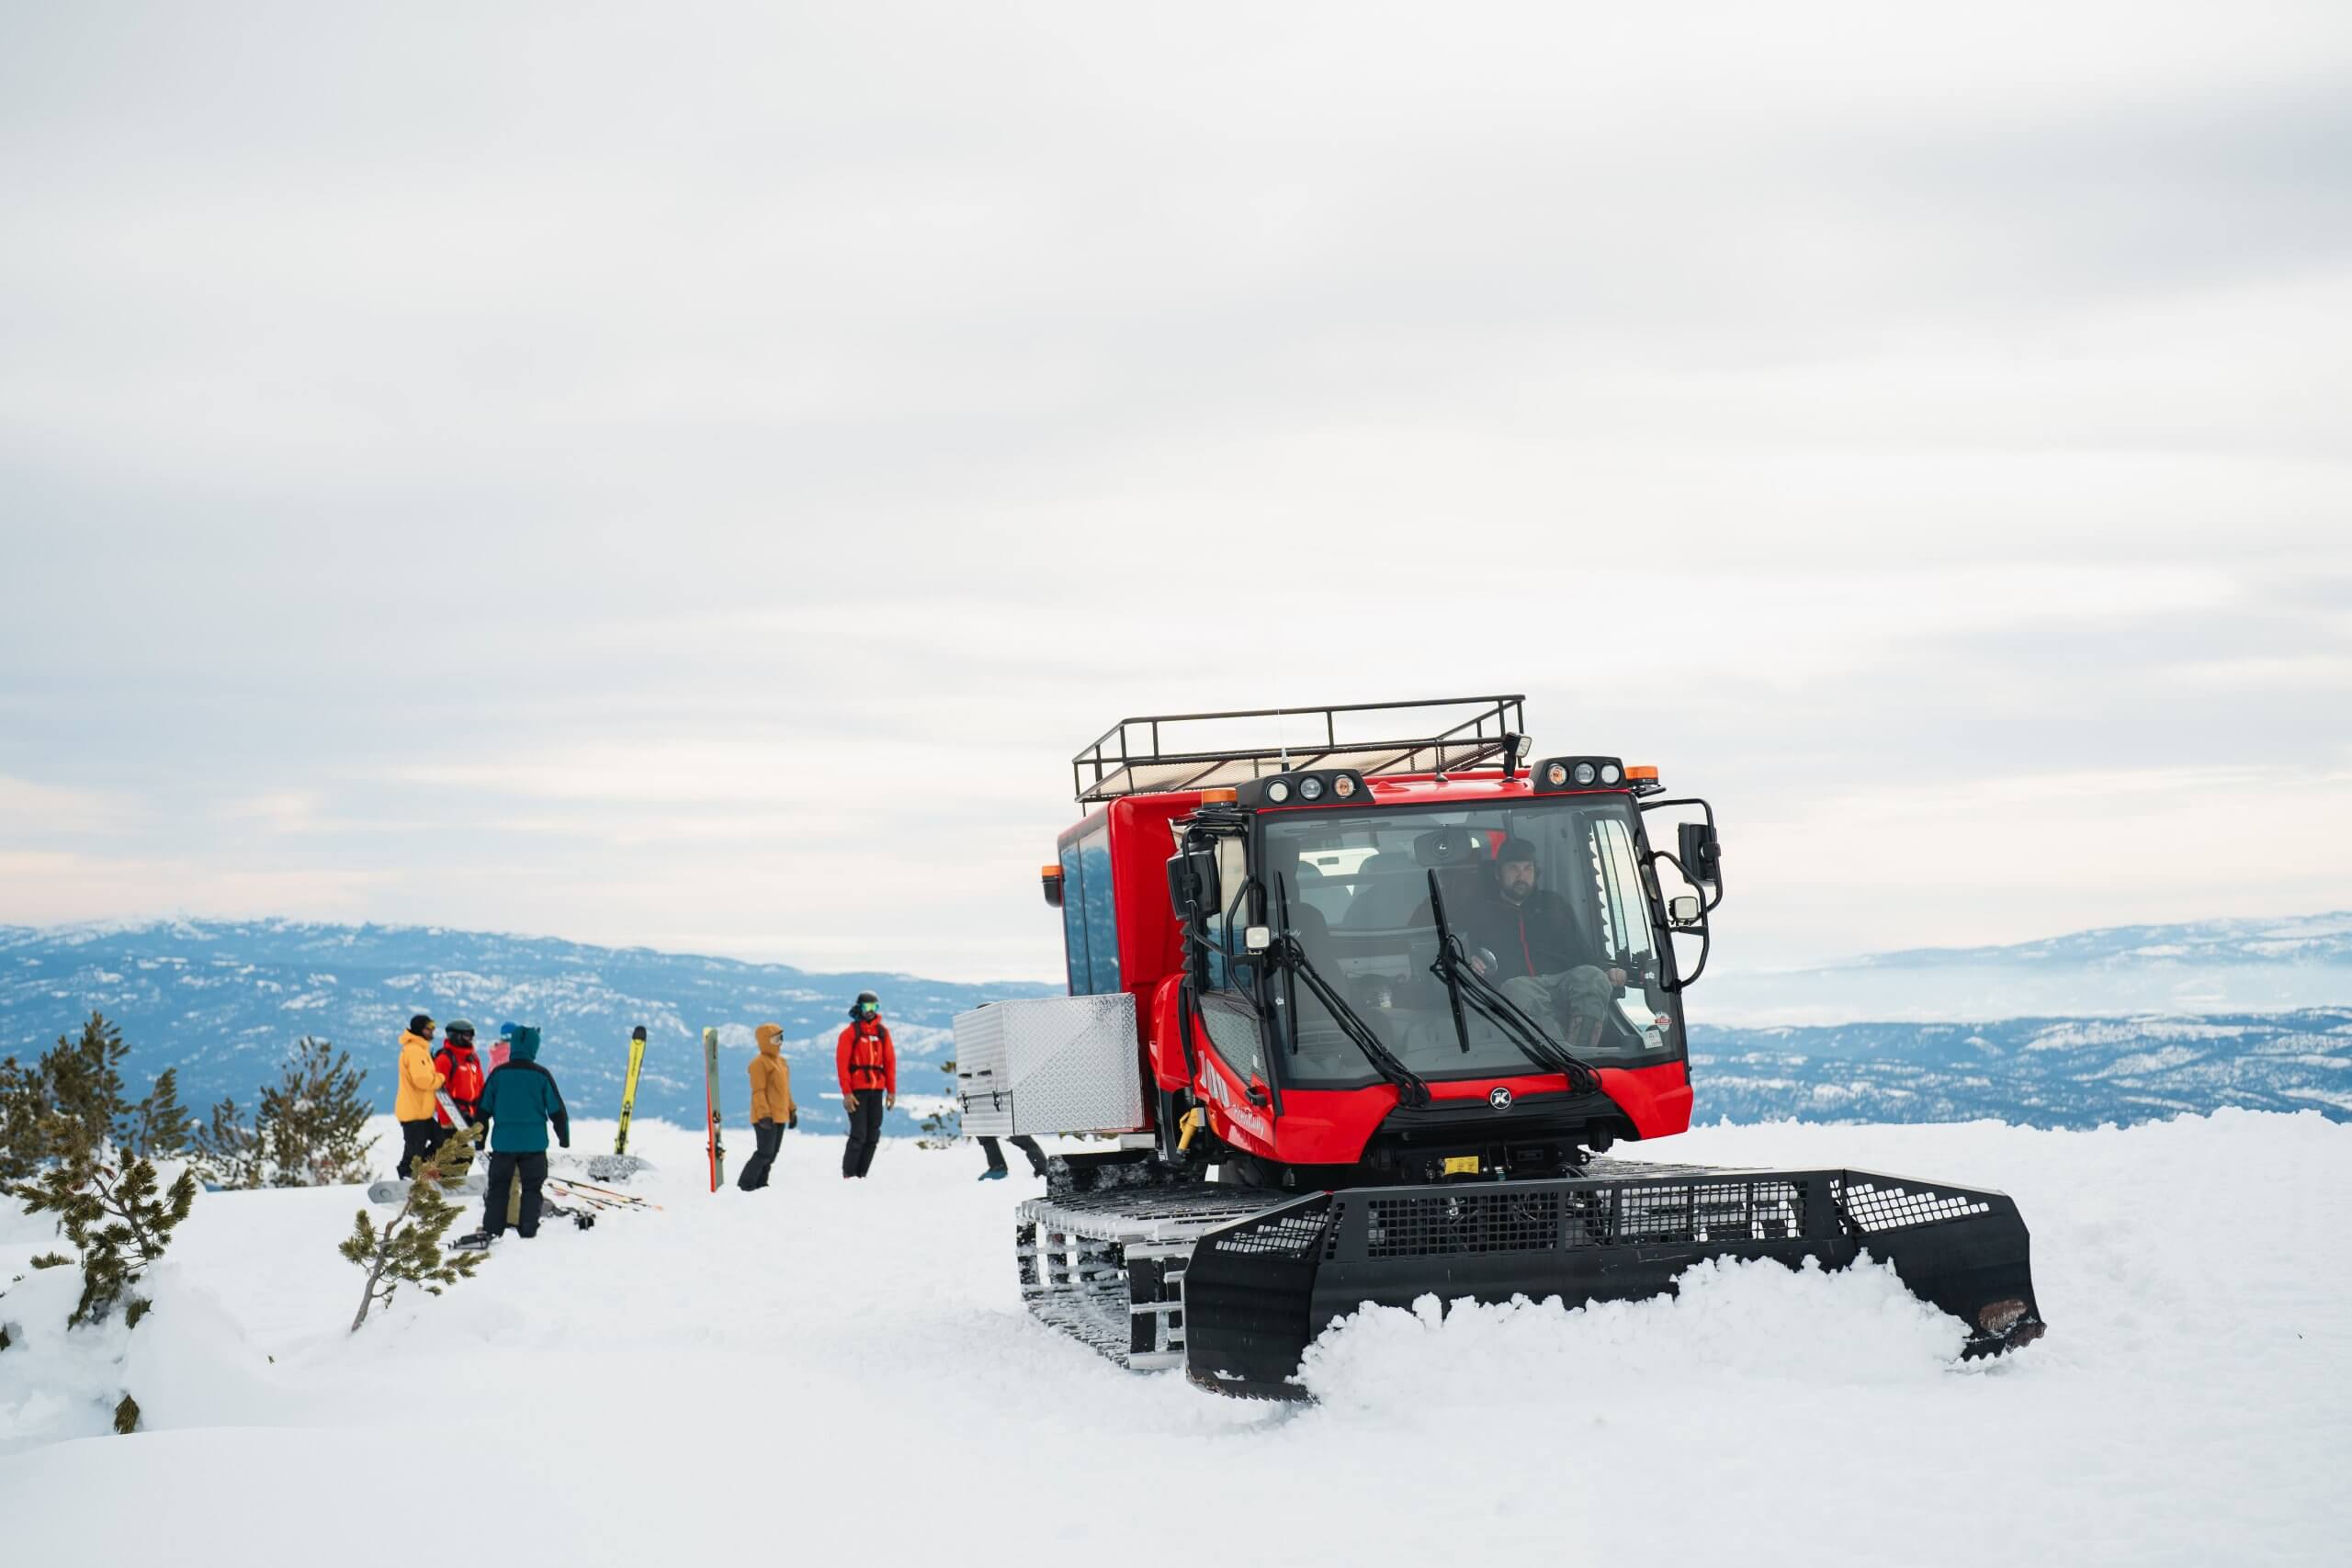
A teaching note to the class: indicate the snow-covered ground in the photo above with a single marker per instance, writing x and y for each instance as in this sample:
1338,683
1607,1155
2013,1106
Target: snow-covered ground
831,1371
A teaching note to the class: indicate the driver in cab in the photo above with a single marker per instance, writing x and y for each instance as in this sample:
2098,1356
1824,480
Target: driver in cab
1529,946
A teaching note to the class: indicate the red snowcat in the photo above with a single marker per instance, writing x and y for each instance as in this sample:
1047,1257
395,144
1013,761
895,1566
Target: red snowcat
1361,993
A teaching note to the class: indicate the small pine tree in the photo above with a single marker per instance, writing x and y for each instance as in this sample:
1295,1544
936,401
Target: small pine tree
228,1150
23,1133
308,1131
78,1135
159,1127
312,1126
407,1249
943,1126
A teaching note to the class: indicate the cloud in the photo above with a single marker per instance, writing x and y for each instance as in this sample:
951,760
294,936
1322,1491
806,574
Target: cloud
29,810
714,491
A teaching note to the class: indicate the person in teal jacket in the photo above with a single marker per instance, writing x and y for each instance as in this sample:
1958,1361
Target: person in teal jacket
519,1103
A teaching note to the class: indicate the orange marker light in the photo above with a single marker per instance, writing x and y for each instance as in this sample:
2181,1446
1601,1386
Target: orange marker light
1050,870
1219,796
1632,774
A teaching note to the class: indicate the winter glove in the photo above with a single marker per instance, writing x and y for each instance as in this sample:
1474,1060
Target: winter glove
563,1142
793,1121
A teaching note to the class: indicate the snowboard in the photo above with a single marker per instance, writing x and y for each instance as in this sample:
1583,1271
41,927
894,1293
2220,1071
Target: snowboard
393,1189
710,1090
628,1086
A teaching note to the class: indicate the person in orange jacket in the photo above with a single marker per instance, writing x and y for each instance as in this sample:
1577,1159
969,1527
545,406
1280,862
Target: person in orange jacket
869,1065
772,1107
413,1106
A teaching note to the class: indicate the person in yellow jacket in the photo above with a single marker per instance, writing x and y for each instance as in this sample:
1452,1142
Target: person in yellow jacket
413,1106
772,1107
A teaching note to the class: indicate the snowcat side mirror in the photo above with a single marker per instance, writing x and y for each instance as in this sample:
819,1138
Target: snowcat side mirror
1191,879
1683,909
1699,851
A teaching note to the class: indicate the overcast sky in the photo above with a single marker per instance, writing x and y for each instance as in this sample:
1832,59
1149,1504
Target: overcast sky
691,475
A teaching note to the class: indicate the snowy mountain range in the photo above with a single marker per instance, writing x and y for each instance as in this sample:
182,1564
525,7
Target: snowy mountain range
2201,967
224,1000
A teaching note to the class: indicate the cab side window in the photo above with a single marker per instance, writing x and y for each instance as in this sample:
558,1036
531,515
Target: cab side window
1102,917
1233,1030
1074,921
1089,921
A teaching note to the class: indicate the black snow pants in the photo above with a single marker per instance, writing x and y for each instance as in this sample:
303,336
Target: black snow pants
1025,1144
418,1140
864,1132
503,1170
769,1136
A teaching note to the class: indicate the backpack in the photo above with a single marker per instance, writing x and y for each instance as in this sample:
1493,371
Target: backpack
465,1077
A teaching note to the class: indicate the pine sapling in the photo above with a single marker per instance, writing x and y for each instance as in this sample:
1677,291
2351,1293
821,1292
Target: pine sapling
407,1249
943,1127
229,1149
80,1138
313,1124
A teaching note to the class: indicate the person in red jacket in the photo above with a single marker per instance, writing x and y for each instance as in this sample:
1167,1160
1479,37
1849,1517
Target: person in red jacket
869,1065
461,1068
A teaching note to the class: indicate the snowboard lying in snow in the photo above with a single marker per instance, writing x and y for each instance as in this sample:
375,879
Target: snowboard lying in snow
393,1189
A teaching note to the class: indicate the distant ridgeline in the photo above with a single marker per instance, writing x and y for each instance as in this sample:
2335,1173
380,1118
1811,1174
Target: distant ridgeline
224,1001
2047,1072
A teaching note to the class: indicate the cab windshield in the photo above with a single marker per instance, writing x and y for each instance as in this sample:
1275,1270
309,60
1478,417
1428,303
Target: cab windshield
1545,897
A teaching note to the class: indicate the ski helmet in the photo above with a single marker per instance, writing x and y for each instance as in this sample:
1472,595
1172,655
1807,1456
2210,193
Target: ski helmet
866,1005
421,1024
461,1029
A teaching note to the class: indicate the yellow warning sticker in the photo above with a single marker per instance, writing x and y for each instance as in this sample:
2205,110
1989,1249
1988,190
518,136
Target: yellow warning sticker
1462,1165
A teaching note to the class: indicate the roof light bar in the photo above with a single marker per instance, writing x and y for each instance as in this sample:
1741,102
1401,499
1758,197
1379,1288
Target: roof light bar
1324,786
1557,773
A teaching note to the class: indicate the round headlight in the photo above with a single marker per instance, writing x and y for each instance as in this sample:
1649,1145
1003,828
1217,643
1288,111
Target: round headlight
1310,789
1610,773
1278,792
1343,787
1584,772
1557,774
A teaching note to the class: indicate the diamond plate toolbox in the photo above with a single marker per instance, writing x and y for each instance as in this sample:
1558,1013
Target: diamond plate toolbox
1053,1065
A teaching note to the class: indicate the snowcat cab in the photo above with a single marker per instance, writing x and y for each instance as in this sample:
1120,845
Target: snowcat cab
1361,1013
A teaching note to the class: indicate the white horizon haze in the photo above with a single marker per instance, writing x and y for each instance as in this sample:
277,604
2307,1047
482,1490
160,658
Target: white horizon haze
692,478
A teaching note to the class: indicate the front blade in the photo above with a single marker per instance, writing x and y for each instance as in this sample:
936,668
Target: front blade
1257,1292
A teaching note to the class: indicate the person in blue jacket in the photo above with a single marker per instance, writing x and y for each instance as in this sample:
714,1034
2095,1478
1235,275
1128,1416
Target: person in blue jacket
519,1103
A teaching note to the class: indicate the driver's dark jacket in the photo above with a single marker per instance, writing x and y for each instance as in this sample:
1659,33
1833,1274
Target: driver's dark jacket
1537,937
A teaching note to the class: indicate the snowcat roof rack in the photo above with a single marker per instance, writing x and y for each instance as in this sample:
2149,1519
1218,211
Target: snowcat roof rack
1206,750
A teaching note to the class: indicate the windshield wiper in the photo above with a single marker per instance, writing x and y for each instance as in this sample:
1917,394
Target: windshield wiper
1444,968
1464,983
1288,952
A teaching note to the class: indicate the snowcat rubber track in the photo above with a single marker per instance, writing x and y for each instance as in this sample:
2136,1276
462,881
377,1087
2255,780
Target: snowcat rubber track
1107,1267
1257,1292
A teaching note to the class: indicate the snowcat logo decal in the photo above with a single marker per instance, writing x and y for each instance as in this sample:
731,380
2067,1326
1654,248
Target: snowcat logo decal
1235,1112
1500,1098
